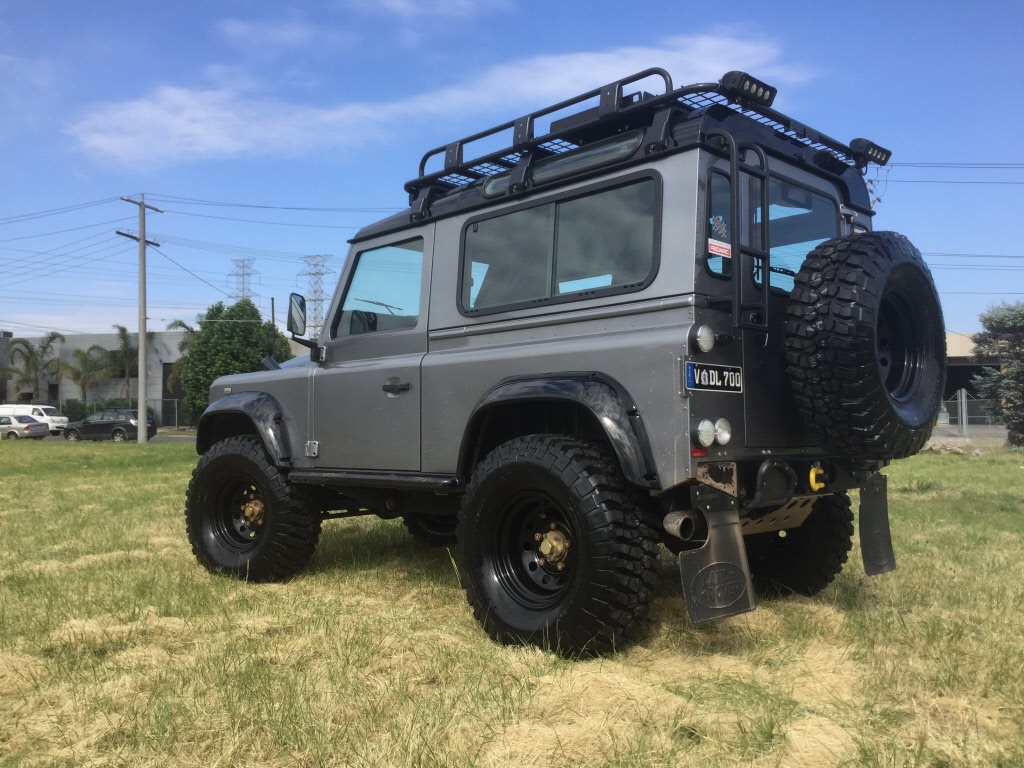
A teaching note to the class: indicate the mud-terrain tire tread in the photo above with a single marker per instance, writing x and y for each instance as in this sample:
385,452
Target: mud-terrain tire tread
292,518
810,557
830,345
611,603
435,530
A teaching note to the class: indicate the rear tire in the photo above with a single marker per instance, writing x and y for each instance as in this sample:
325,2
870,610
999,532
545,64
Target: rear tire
556,549
436,530
808,558
119,436
244,518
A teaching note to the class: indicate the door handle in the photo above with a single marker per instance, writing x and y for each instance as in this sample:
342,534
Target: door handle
394,389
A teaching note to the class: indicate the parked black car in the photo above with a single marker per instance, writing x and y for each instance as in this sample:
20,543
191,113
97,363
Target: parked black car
118,425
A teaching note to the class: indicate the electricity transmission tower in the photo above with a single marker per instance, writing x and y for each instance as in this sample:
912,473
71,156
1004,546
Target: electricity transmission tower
243,274
316,268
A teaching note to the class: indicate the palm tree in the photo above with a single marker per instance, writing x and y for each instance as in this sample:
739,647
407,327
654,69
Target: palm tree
32,365
124,361
178,369
91,366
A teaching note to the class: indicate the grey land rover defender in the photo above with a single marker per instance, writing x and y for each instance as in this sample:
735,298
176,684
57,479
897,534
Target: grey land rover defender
663,320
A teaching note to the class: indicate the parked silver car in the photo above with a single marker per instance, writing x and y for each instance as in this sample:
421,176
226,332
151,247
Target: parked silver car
21,426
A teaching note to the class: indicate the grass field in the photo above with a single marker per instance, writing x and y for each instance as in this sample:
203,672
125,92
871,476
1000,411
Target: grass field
117,649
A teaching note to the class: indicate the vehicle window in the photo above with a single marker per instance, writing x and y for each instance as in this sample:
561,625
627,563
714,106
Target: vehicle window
798,220
5,421
24,419
561,250
384,292
50,411
37,412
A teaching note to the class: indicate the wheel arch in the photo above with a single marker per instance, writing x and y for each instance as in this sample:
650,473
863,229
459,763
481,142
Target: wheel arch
246,413
578,404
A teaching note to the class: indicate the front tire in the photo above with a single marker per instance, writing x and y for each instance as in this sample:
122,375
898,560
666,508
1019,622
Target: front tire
244,518
808,558
119,436
71,435
556,550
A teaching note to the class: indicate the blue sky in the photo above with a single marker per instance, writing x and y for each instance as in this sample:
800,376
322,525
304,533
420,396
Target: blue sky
329,105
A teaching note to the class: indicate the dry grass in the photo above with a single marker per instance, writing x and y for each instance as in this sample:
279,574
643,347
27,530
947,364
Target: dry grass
116,648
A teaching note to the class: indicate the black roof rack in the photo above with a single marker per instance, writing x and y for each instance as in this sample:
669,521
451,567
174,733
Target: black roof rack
563,135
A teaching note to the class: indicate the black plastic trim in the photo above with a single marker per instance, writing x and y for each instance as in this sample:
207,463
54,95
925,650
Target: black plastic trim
604,397
261,410
396,480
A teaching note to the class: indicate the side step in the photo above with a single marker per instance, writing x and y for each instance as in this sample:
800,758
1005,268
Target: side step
716,578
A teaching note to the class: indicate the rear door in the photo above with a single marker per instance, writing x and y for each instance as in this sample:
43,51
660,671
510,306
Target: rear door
366,393
780,220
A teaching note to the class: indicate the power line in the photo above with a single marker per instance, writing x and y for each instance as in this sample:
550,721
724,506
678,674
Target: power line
949,181
197,277
242,273
196,201
257,221
55,211
985,166
70,229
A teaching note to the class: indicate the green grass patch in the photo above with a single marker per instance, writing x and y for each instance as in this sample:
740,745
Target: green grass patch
116,648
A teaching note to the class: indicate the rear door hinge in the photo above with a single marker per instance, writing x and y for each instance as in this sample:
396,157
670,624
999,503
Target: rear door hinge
312,449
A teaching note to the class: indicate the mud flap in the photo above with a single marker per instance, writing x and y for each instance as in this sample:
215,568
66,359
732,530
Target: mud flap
716,578
875,536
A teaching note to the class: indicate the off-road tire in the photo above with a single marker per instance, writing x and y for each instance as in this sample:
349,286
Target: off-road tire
865,345
808,558
527,487
436,530
224,539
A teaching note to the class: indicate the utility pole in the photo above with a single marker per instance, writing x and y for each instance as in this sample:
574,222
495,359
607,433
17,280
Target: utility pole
143,414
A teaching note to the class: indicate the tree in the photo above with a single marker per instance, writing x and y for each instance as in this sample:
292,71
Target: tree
32,365
178,368
1003,338
90,367
227,340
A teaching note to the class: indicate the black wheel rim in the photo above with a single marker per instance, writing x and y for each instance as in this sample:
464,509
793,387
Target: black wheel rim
239,510
533,551
900,346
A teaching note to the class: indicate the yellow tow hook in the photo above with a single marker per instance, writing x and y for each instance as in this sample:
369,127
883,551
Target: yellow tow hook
817,478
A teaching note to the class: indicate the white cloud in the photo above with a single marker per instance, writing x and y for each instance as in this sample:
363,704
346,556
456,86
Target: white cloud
273,36
175,124
412,9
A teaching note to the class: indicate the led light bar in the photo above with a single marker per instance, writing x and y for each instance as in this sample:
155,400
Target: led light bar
745,88
865,152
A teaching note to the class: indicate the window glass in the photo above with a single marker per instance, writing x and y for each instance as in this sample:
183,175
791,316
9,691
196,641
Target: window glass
798,220
384,292
602,241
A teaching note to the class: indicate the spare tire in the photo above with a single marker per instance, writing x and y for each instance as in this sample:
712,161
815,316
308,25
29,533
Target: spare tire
865,345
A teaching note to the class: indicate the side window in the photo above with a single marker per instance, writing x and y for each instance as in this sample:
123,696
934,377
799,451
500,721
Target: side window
719,226
384,291
604,241
5,421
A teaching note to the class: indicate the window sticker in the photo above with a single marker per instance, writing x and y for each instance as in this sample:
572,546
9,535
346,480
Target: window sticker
718,248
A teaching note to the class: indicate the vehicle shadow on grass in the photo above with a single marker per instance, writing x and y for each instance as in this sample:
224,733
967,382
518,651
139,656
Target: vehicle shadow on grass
384,546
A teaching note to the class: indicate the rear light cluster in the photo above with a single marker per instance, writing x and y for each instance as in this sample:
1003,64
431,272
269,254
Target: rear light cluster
707,432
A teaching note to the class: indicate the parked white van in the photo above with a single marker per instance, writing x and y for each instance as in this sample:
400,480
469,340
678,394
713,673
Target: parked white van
44,413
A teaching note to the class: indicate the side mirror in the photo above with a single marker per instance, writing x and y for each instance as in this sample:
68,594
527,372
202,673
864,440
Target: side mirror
297,314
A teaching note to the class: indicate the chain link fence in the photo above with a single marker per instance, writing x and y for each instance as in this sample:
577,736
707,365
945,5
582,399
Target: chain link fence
967,416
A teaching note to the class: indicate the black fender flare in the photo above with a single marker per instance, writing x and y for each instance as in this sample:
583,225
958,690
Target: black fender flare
255,413
606,399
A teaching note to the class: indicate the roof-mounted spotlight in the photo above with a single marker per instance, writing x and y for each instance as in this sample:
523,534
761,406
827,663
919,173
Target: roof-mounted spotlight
827,161
865,152
746,89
